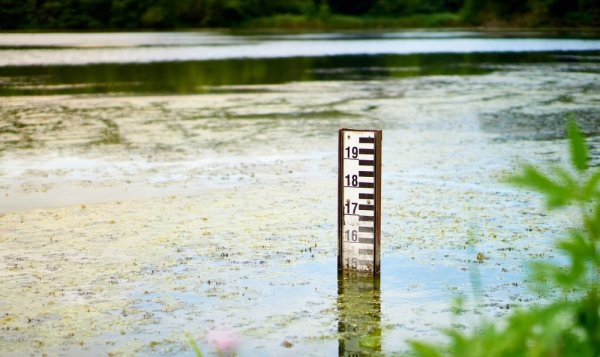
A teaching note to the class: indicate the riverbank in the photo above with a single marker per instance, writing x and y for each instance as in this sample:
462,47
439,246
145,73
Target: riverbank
289,24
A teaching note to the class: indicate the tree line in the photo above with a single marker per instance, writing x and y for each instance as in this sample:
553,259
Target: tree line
162,14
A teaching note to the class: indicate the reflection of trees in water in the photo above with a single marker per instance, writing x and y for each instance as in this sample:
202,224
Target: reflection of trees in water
200,76
359,309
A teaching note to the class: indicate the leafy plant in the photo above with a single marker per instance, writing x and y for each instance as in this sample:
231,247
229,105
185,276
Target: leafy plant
560,328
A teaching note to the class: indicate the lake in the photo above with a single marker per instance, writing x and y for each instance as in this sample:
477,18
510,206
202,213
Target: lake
158,184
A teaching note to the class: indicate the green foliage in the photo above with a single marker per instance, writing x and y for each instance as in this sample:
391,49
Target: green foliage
395,7
532,13
565,327
134,14
343,22
412,7
350,7
578,149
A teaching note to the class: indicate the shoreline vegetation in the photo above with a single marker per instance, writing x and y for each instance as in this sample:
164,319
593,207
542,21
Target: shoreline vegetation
296,14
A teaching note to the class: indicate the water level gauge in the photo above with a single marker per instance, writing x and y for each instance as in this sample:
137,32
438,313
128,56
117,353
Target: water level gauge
359,200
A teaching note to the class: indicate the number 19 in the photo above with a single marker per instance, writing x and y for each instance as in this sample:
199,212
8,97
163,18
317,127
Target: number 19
354,151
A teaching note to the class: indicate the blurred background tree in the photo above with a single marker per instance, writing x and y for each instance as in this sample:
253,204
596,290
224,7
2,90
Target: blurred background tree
161,14
351,7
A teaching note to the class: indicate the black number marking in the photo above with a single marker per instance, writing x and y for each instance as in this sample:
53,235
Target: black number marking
351,180
348,204
351,263
352,150
352,234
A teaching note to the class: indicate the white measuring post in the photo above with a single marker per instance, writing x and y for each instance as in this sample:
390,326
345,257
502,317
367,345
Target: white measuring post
359,200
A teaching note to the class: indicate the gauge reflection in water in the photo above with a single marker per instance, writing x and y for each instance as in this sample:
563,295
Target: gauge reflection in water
359,312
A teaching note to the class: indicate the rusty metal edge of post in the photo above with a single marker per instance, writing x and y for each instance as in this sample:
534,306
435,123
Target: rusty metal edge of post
340,203
377,250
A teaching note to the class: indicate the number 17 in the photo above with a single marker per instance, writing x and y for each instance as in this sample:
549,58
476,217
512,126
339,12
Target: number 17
348,204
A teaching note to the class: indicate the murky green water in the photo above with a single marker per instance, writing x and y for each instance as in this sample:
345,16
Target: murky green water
207,76
190,63
141,201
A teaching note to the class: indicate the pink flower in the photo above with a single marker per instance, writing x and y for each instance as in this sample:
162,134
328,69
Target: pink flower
224,341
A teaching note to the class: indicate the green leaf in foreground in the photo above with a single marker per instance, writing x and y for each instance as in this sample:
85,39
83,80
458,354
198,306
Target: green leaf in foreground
556,194
579,153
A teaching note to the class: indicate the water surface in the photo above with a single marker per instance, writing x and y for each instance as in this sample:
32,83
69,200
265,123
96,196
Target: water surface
195,62
141,201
